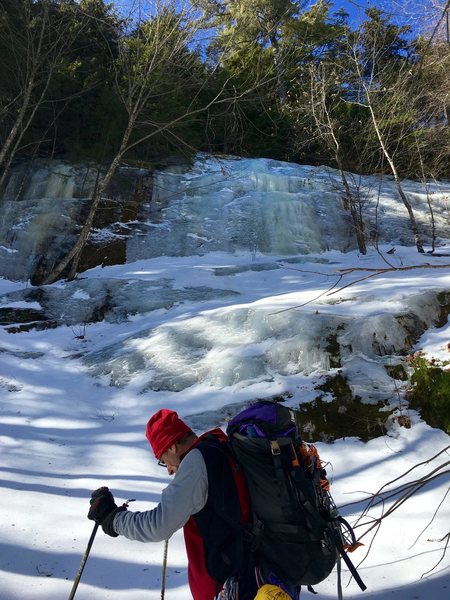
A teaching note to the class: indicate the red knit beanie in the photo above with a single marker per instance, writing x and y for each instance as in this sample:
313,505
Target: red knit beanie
164,429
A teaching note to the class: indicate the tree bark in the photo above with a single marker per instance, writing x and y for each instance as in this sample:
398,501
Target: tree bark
398,184
17,130
281,83
326,128
73,257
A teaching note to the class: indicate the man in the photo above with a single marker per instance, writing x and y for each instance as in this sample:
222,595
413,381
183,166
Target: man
207,497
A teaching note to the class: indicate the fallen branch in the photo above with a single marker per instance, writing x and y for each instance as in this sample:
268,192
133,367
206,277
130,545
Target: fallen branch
340,273
404,491
375,272
388,269
326,292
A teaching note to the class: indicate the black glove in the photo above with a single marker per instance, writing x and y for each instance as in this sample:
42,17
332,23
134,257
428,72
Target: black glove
104,509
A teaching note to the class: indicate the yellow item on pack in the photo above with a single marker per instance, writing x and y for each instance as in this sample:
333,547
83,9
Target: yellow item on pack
271,592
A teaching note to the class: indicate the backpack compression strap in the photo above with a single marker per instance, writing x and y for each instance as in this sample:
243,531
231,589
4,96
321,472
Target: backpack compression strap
348,562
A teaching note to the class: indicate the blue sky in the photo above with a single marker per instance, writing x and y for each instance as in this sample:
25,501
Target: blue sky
414,12
417,13
399,8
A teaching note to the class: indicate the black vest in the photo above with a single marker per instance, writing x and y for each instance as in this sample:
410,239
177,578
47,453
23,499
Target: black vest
218,521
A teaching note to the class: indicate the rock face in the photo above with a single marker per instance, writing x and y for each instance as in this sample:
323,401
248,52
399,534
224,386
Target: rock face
44,206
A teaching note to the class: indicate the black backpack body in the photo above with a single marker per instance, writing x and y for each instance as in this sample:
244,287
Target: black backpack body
297,532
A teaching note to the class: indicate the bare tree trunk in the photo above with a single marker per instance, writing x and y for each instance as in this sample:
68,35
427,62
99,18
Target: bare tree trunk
326,129
394,171
41,58
281,84
73,257
16,129
20,132
365,84
33,58
430,207
355,209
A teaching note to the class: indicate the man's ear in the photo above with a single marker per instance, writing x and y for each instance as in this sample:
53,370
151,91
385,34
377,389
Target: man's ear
172,449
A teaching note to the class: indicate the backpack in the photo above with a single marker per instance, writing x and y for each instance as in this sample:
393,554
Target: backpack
297,533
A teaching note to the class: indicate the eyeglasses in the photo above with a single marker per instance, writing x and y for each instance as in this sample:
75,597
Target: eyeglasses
161,463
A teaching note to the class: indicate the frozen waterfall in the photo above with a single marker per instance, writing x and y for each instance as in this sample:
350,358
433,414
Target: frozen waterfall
271,207
259,206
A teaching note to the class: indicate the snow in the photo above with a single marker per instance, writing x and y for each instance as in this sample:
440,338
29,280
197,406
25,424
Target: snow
221,330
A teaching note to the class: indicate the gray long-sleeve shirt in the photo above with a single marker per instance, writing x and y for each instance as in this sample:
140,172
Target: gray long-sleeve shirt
186,495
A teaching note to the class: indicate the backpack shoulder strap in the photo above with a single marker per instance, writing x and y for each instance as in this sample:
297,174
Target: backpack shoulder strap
211,449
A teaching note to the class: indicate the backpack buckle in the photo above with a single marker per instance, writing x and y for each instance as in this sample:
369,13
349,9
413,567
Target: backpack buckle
275,447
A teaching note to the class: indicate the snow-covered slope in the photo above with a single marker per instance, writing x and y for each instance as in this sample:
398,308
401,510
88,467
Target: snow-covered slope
205,334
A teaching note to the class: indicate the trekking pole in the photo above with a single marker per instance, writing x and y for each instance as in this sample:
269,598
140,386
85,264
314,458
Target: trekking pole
339,577
86,554
83,562
164,569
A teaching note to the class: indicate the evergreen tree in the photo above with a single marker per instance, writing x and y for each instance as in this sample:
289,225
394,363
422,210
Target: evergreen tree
36,38
252,27
84,92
